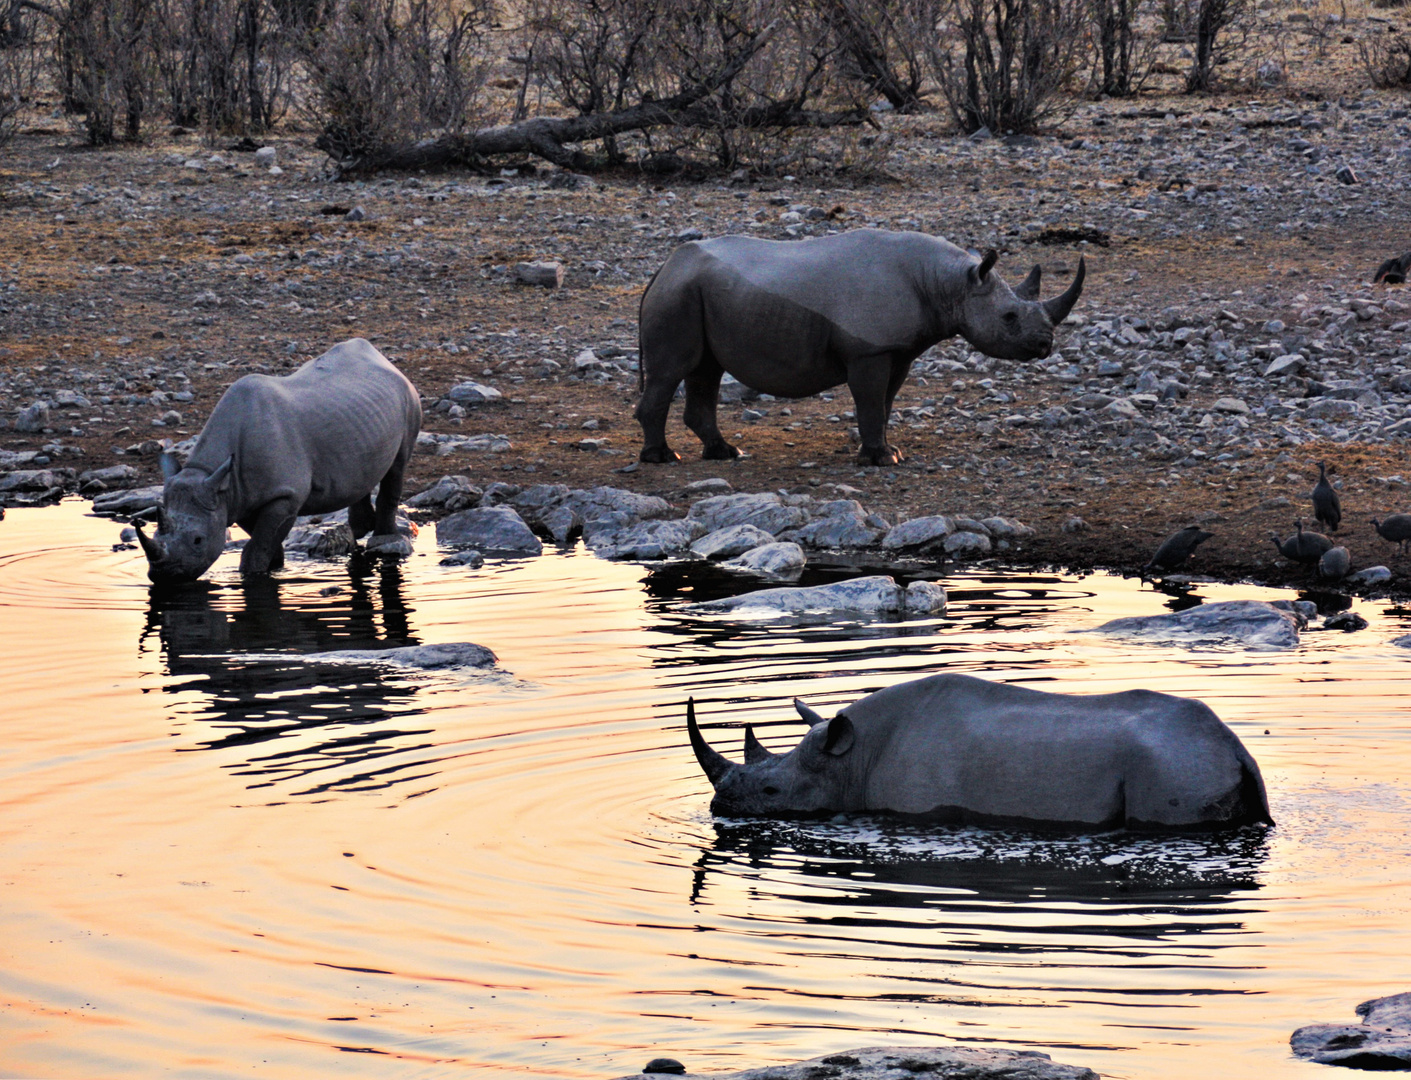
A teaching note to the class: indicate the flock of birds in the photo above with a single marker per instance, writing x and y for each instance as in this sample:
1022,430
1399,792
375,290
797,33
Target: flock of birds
1310,548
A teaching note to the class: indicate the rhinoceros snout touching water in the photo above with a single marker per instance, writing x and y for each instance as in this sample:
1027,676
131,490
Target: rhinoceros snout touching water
317,440
960,749
795,318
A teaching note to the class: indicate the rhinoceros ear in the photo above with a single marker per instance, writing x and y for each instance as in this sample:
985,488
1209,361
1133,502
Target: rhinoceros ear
987,263
219,481
840,736
169,464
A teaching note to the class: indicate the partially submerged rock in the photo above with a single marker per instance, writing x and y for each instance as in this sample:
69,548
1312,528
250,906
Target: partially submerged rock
730,541
451,654
897,1062
1382,1042
873,595
1251,623
327,540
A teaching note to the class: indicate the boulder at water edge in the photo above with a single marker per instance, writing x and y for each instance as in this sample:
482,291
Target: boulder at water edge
783,562
898,1062
1251,623
1382,1042
495,530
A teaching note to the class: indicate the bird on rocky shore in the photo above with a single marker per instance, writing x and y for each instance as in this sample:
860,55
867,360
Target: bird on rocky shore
1304,547
1393,271
1335,563
1177,548
1395,527
1327,507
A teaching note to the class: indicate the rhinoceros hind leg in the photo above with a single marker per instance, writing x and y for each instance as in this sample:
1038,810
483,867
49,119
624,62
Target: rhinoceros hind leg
362,517
389,494
880,455
658,455
720,450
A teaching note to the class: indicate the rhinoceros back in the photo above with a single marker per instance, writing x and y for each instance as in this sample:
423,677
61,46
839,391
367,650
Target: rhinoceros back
327,433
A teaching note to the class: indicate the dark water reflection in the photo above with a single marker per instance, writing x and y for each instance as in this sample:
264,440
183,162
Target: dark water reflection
322,726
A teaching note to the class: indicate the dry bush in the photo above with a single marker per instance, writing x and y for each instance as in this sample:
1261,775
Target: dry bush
20,65
1002,64
1221,27
882,45
223,64
1387,60
386,73
105,64
1124,52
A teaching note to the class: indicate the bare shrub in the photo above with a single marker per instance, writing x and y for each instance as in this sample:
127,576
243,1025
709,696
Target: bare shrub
883,45
224,64
1214,22
105,64
388,72
19,65
1387,60
1125,53
1002,64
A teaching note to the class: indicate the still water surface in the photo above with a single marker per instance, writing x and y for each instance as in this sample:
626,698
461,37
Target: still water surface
218,859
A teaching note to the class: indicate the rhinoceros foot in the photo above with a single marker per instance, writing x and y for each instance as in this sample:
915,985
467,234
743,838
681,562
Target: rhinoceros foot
880,455
719,451
658,455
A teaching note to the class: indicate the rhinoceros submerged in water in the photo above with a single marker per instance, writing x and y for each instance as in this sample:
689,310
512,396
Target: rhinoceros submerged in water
317,440
959,749
794,318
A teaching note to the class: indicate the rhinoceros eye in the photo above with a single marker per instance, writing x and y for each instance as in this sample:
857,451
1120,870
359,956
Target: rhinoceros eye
196,540
770,789
1011,318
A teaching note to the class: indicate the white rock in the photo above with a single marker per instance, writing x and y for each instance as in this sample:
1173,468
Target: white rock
780,561
864,595
925,598
730,541
917,532
1251,623
967,545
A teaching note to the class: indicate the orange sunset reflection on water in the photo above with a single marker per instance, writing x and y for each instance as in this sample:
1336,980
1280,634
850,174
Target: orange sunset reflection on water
220,858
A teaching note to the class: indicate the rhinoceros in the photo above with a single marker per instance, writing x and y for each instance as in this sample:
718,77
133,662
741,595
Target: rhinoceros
795,318
960,749
311,442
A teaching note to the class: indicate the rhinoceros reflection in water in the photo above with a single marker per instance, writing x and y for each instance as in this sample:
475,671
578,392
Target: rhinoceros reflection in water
957,748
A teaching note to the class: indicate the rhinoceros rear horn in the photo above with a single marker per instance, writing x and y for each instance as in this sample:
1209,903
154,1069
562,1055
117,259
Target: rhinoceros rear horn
755,751
714,763
1028,289
810,717
1059,306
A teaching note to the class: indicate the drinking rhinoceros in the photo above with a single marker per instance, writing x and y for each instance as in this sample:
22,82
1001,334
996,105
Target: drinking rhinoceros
275,447
794,318
961,749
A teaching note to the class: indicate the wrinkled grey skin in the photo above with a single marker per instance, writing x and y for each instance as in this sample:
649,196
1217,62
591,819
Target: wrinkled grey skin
795,318
960,749
276,447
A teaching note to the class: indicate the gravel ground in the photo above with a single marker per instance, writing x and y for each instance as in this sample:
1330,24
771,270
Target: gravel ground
1228,338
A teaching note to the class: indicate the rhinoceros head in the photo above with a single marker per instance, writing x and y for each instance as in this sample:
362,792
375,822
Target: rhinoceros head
1013,324
811,778
190,526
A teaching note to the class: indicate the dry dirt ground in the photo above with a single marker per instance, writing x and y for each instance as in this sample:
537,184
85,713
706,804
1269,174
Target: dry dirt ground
141,281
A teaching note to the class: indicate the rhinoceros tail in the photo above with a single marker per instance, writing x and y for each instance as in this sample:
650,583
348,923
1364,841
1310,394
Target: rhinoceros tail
642,356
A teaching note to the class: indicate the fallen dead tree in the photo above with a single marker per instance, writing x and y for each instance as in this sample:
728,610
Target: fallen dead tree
703,105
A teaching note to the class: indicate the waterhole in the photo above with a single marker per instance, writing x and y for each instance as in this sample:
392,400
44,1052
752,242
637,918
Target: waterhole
219,858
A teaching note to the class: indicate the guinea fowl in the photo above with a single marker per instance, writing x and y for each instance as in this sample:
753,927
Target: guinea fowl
1304,547
1335,564
1177,548
1396,528
1327,507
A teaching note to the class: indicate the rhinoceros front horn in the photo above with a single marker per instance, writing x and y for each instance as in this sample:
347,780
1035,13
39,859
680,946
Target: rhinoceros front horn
1059,306
715,764
151,546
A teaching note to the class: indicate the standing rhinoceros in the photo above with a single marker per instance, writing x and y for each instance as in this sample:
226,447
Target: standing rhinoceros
962,749
794,318
274,447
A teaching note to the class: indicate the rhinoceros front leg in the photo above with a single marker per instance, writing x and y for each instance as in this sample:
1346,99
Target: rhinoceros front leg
874,383
267,527
702,392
